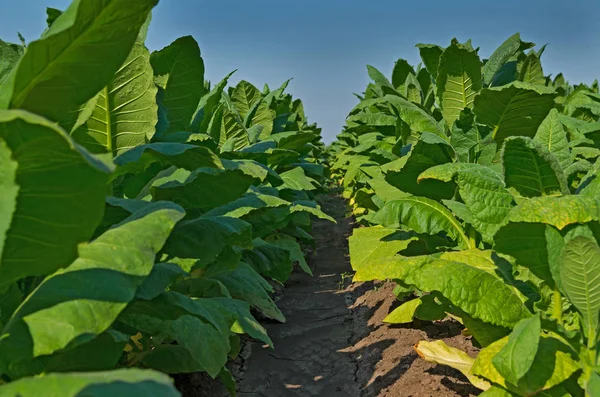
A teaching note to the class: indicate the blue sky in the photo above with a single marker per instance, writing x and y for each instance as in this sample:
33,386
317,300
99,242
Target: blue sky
326,44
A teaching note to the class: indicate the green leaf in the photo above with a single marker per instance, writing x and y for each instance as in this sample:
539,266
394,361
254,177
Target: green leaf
159,279
233,135
516,109
205,188
417,118
422,215
515,359
556,211
254,169
552,365
402,70
430,54
205,238
262,115
496,391
244,97
465,137
487,200
9,57
531,170
475,291
378,77
124,113
295,179
181,155
295,250
552,135
208,106
458,80
269,260
503,54
64,311
526,242
531,69
179,71
107,350
72,62
200,346
579,273
125,382
53,196
371,243
246,284
429,151
424,308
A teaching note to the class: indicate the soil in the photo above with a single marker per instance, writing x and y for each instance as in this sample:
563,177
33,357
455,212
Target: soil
334,342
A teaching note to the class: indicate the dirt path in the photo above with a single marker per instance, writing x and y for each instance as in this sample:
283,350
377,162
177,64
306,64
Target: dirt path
308,358
334,342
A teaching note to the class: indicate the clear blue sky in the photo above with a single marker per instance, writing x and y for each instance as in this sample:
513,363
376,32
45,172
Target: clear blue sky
325,44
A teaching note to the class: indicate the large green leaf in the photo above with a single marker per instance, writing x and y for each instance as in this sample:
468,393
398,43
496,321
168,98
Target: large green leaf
125,382
556,211
262,115
205,188
9,56
552,135
179,71
181,155
487,200
428,152
430,54
458,80
475,291
514,109
246,284
200,345
424,308
233,135
579,274
378,77
422,215
417,118
208,106
552,365
295,250
269,260
64,311
531,69
76,58
205,238
370,243
402,70
526,242
244,97
53,196
124,113
517,356
502,55
296,179
531,170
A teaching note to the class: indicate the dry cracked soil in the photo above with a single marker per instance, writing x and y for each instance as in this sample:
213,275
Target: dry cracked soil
334,343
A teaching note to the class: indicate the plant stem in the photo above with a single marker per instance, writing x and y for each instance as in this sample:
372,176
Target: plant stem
472,238
556,298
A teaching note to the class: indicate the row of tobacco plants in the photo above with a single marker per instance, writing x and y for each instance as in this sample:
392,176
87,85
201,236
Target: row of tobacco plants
145,213
475,181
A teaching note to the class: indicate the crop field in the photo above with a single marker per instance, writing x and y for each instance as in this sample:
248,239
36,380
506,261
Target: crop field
163,235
